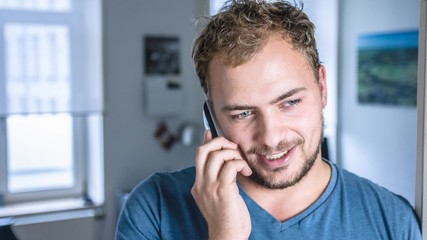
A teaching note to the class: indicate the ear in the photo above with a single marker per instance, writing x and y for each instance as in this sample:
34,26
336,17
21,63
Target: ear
322,85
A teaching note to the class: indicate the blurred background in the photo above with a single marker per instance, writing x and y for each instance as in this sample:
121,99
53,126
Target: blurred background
96,95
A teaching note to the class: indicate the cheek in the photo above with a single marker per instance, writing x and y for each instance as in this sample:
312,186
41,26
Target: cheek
311,129
243,136
308,124
235,133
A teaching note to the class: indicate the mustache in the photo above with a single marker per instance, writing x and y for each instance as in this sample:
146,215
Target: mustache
281,146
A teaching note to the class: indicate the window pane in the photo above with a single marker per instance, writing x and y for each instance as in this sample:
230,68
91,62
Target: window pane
37,68
216,5
40,152
38,5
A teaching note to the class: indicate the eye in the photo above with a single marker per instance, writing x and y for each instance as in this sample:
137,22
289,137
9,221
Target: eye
291,103
242,115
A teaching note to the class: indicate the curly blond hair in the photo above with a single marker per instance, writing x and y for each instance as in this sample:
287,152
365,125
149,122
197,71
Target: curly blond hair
241,29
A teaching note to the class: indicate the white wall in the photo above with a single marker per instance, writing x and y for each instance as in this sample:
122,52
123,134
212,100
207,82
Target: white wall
79,228
377,142
324,14
131,152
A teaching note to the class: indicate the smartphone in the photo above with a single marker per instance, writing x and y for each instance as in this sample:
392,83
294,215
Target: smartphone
210,121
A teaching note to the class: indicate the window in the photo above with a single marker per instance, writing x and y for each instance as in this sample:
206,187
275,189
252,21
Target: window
50,94
47,161
215,5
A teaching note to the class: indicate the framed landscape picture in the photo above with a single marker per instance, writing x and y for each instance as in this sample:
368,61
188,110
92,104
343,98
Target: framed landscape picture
387,68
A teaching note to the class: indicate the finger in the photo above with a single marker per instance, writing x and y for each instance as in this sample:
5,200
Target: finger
216,161
232,168
204,150
207,136
219,143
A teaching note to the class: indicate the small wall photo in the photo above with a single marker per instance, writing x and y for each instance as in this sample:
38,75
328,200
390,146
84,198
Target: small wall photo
162,55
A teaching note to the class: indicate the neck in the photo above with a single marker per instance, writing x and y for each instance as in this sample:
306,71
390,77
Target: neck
284,204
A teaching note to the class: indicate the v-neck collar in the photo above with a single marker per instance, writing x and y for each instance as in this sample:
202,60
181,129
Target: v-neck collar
275,225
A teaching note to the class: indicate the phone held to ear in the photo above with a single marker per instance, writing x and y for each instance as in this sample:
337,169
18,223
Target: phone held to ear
210,121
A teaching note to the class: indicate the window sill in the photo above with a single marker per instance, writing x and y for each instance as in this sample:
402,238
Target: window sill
48,211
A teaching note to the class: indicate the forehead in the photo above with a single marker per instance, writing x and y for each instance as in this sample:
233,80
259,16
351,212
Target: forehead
275,69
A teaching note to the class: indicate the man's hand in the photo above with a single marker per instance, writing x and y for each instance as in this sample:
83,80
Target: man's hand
215,190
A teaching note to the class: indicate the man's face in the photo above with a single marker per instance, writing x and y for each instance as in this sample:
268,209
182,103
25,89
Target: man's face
272,108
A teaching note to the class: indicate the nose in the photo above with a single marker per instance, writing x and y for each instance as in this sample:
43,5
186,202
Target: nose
270,131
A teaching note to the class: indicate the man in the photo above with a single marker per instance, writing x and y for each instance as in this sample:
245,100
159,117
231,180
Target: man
264,178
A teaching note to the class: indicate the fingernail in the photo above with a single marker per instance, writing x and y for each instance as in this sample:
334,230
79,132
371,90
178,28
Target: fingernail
206,135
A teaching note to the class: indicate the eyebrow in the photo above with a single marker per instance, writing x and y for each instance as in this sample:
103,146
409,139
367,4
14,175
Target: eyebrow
288,94
274,101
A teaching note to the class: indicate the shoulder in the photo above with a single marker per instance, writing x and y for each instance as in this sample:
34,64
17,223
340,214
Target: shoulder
162,182
182,175
365,188
376,204
153,202
162,190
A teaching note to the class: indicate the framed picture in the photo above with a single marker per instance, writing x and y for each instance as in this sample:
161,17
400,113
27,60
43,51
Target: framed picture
387,68
162,55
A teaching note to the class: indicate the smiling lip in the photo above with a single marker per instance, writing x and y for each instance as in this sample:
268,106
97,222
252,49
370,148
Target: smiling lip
277,160
275,156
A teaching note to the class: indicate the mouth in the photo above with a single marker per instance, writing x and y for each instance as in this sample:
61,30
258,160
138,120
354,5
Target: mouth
275,155
277,160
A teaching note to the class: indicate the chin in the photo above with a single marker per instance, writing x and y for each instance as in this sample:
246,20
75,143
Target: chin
283,177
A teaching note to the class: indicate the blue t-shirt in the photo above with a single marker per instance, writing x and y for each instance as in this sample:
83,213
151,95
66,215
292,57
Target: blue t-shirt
162,207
